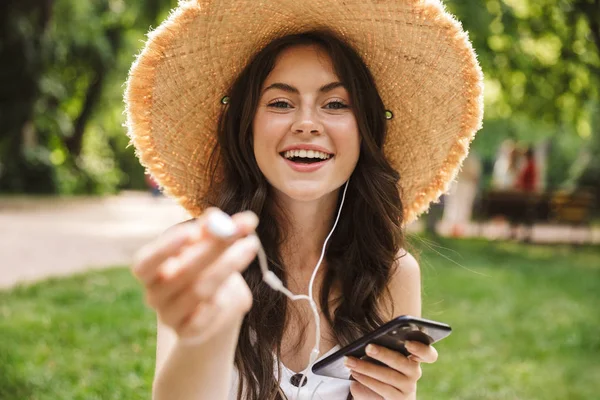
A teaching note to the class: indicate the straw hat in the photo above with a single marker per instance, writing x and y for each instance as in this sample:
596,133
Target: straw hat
423,63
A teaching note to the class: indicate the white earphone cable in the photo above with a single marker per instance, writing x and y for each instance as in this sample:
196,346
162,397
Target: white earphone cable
221,225
275,283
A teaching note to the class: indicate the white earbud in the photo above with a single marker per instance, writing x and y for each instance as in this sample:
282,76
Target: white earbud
221,225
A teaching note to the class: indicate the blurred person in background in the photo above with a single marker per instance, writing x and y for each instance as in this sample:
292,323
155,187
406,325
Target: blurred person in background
458,203
528,179
506,167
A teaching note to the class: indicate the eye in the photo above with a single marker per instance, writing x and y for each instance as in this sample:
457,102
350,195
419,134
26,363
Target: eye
336,105
280,104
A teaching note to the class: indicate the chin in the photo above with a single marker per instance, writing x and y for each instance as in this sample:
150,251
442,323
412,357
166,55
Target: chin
304,191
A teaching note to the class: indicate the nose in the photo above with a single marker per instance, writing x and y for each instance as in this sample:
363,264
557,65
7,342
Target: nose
307,122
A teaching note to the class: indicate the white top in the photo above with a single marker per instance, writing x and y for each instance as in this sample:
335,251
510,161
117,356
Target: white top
326,388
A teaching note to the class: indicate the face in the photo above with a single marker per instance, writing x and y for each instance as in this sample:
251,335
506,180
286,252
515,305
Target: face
306,139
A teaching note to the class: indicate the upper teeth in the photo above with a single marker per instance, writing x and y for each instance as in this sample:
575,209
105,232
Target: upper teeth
306,154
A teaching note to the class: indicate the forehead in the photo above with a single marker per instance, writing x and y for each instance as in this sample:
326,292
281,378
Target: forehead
303,63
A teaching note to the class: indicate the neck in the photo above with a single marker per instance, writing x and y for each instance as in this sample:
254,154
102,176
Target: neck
309,225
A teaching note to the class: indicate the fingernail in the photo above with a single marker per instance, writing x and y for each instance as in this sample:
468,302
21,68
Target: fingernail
251,242
350,363
371,349
410,345
252,219
169,269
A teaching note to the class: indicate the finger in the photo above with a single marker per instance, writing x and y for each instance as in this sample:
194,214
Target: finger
221,225
178,310
149,265
177,273
175,313
206,278
246,222
383,389
425,353
382,373
181,272
361,392
235,259
395,360
151,256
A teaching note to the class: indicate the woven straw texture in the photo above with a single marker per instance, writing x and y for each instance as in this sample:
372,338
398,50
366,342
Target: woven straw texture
423,63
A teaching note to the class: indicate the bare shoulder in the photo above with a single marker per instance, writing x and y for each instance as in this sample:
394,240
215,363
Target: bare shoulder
406,263
405,286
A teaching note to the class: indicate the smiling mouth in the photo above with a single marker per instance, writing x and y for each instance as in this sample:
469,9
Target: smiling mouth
306,157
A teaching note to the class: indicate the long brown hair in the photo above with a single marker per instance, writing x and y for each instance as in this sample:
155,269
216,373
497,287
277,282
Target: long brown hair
363,249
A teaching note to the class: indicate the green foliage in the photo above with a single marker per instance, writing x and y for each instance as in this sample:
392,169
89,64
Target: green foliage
92,41
75,141
64,121
523,320
539,58
541,61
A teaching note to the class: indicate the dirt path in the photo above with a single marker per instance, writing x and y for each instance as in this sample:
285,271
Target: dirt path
40,238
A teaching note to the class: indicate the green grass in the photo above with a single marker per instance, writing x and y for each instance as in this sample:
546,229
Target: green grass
525,319
86,337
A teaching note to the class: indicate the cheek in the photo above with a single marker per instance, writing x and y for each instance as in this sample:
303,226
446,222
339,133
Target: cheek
267,132
260,135
268,129
347,138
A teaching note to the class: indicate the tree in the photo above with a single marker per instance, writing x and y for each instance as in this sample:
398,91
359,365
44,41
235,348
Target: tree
541,61
22,28
62,53
541,57
60,94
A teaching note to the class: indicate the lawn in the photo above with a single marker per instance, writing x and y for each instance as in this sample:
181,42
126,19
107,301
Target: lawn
525,318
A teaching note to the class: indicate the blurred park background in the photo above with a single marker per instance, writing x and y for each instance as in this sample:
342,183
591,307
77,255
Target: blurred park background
511,258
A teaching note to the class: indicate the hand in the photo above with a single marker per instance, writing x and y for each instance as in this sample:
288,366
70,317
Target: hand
191,277
394,381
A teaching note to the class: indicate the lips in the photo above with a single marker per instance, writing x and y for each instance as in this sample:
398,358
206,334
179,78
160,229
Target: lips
306,146
305,150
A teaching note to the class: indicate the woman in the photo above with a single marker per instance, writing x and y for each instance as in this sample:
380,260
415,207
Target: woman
277,115
458,204
528,179
506,167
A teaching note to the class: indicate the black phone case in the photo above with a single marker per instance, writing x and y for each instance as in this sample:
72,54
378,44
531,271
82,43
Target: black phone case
391,335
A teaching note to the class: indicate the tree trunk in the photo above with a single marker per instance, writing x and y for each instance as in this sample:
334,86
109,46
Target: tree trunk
75,141
94,92
19,90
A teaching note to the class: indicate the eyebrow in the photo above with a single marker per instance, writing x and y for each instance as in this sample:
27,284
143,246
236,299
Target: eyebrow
290,89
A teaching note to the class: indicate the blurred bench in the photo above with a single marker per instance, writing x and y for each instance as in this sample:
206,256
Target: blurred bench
572,208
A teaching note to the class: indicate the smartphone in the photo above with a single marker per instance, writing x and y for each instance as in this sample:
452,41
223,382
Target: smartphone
391,335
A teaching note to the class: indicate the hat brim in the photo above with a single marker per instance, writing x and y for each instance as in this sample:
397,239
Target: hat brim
423,63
